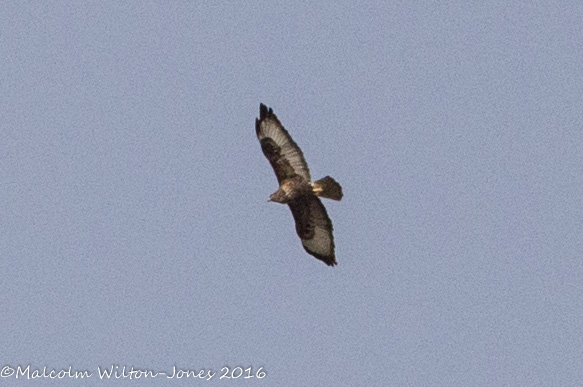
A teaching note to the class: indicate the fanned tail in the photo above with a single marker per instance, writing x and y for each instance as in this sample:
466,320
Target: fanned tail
327,187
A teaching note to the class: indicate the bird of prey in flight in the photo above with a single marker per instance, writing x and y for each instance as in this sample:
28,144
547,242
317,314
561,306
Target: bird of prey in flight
296,188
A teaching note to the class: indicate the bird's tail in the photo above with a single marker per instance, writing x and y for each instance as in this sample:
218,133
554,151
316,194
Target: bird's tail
327,187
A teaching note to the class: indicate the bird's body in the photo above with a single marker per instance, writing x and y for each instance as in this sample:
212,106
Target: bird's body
296,189
291,189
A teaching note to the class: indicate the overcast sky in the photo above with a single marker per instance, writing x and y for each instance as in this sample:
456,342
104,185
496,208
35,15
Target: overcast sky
134,223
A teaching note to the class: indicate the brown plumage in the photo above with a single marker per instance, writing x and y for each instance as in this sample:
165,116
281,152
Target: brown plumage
296,189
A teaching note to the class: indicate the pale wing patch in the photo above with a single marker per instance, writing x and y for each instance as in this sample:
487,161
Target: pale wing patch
321,243
315,229
270,128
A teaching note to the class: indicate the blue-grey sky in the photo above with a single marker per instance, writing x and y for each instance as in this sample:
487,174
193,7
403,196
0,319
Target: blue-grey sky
134,222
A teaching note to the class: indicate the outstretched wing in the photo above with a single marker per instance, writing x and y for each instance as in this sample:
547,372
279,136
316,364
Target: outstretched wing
283,153
314,228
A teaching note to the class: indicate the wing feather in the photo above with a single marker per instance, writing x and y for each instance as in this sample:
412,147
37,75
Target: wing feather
314,228
285,156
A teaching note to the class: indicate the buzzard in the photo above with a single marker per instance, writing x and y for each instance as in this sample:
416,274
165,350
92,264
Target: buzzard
296,188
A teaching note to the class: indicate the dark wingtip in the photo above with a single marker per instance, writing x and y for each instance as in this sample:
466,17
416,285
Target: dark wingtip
328,260
263,111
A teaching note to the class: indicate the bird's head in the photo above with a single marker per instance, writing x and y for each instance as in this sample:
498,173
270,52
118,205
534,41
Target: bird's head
278,196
